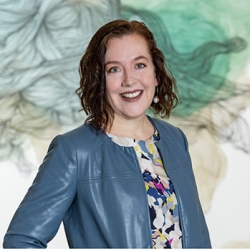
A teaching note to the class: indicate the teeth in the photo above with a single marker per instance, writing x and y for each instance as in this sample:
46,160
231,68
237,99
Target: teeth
131,95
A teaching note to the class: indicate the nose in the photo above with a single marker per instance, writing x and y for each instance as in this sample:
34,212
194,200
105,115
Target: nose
129,78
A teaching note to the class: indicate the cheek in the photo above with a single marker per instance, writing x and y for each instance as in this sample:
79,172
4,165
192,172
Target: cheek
151,81
109,88
108,84
112,84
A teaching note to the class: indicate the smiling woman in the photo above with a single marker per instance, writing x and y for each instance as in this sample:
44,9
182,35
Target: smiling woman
93,80
123,179
130,85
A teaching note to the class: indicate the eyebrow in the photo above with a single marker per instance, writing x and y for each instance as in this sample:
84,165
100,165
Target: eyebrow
135,59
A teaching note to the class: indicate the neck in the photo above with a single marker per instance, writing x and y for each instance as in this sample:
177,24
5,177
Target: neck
140,128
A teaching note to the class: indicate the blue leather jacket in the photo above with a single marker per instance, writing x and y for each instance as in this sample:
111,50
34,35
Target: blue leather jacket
96,188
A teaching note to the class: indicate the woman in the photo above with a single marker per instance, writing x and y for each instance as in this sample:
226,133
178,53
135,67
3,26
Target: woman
123,179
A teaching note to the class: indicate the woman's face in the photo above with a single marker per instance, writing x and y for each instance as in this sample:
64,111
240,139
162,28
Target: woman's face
130,76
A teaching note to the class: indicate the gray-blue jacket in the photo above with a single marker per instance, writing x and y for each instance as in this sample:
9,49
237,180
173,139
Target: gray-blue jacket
96,188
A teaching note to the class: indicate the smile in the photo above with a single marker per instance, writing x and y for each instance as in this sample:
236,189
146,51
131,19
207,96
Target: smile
131,95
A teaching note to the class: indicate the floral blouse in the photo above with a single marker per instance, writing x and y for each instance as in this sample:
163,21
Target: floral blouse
162,202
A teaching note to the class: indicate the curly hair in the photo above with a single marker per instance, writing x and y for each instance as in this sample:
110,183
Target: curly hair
92,90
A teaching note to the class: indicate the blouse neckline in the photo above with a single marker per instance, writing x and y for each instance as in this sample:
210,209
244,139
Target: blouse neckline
130,142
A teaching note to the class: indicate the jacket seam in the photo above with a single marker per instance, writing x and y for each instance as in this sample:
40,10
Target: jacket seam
76,161
96,179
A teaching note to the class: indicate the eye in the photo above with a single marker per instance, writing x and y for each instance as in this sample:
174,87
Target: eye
113,70
140,65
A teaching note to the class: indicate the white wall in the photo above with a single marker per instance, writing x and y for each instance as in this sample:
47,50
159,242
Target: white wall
229,217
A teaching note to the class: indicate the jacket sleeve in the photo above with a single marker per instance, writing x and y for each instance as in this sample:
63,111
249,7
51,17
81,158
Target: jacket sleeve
39,215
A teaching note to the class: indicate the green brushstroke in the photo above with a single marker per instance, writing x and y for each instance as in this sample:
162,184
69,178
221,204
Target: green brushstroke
197,44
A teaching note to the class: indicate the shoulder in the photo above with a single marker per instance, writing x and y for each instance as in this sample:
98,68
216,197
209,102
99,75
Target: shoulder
87,132
84,136
169,132
164,127
163,124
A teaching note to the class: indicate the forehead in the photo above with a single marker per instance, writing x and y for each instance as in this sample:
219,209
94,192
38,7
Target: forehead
131,43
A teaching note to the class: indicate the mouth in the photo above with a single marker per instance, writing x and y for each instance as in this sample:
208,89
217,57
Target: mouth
131,95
